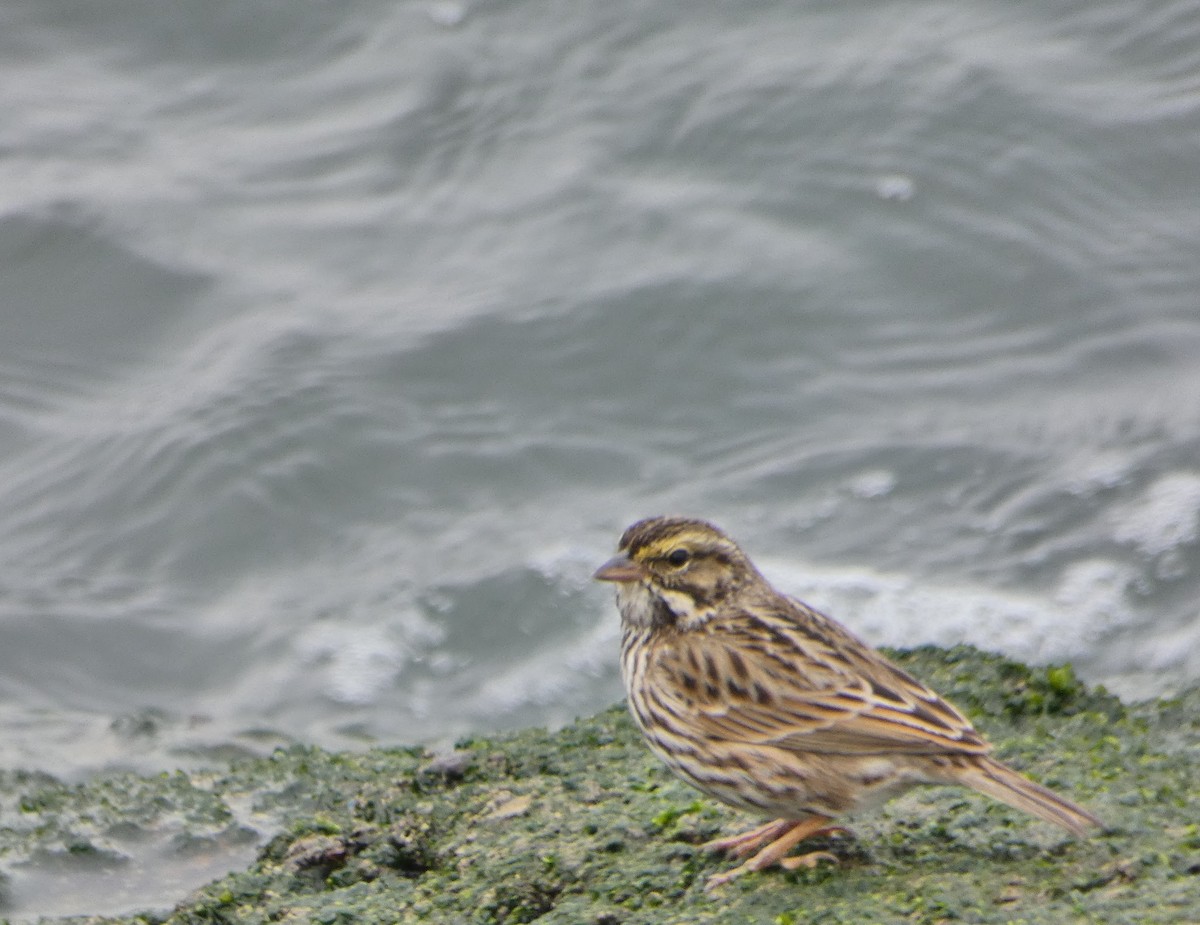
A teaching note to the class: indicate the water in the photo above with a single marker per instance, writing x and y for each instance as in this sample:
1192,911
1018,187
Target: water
339,342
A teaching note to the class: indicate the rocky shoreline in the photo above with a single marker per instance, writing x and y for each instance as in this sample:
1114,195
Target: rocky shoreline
582,825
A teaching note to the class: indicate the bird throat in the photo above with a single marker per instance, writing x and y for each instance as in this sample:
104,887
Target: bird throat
658,608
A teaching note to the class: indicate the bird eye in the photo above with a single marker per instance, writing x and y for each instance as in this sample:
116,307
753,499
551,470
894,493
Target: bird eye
679,556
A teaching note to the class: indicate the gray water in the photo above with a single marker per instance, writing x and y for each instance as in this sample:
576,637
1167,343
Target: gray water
339,342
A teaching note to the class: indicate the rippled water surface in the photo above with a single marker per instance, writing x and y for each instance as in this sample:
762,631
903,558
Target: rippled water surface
338,343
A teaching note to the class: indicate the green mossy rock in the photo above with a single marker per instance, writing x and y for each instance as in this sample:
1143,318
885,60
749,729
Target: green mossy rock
584,826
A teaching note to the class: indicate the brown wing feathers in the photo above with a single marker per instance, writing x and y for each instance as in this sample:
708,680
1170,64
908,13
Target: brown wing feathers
742,686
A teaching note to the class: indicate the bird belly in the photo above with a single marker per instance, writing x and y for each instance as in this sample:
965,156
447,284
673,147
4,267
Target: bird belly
783,784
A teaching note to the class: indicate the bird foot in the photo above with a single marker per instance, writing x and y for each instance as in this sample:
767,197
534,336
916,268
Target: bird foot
784,835
807,861
745,843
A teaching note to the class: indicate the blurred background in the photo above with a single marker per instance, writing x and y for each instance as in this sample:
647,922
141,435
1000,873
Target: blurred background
340,341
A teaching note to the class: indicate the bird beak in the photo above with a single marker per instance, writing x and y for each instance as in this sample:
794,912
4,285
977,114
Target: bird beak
620,568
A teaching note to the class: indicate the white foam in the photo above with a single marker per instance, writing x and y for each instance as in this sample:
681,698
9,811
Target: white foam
1097,470
1165,517
549,674
447,12
358,661
874,483
566,565
889,609
895,187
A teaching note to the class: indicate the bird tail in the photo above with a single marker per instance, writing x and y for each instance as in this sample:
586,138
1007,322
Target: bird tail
1002,783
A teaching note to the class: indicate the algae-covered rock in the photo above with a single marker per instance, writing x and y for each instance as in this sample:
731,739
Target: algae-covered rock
584,826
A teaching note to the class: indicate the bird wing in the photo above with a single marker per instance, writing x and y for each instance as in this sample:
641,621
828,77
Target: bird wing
782,674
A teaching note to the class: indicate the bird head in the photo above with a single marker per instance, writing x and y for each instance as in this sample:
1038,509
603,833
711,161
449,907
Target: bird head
675,570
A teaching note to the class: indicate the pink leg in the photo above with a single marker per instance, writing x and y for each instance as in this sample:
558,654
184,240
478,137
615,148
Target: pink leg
748,842
790,833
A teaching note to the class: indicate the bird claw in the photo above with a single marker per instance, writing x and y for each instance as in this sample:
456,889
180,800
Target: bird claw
719,880
807,861
782,835
738,846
